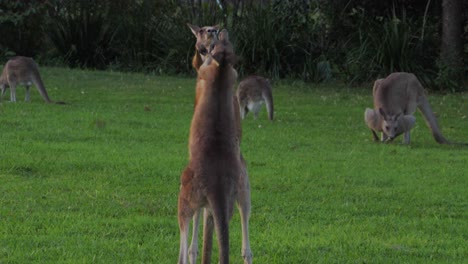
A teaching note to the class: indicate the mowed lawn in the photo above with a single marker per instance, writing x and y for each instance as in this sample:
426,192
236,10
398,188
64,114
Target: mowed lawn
97,180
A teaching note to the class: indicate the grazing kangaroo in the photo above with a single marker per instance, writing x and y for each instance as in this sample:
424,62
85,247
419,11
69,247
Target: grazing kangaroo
395,100
252,92
22,71
215,177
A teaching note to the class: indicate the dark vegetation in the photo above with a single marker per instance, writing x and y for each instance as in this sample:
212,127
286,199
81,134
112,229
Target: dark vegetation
354,41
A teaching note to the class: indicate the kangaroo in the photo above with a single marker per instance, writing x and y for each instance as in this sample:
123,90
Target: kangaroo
206,36
395,100
252,92
216,176
22,71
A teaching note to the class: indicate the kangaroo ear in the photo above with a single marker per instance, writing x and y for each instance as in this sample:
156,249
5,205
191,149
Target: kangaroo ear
223,35
195,29
377,83
382,112
376,86
369,115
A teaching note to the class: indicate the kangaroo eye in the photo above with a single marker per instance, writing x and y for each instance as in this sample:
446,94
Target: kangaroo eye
387,127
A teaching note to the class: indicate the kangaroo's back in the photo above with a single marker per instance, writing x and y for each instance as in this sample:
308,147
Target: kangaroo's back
214,121
22,70
214,114
397,93
252,92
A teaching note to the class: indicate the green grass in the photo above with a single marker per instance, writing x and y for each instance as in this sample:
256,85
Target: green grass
97,180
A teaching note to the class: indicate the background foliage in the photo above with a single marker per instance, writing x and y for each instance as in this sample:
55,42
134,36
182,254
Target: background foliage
355,41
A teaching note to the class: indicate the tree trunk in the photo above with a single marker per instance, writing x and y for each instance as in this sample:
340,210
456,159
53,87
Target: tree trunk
451,53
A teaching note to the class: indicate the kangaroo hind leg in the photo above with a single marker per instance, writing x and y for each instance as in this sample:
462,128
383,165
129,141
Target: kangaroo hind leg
243,204
221,214
184,224
12,92
185,214
27,97
208,227
193,249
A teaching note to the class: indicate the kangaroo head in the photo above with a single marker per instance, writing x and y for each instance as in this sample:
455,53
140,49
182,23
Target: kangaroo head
392,124
222,51
206,36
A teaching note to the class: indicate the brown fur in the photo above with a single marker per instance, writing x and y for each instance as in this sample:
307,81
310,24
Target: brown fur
22,71
395,101
222,57
206,36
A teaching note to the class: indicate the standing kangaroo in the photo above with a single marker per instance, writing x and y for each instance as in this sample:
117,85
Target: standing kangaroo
214,177
22,71
252,92
395,100
206,44
206,37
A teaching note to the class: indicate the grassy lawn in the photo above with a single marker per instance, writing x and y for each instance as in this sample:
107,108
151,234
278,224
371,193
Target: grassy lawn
97,180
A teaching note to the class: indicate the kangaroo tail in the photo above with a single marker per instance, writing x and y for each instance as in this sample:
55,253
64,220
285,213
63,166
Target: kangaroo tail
431,121
221,224
208,226
41,88
268,97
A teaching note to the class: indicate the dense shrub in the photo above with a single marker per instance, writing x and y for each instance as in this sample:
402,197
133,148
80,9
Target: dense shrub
388,44
82,33
21,27
356,41
284,39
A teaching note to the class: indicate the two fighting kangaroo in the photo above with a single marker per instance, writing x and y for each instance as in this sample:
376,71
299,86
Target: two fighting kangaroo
216,176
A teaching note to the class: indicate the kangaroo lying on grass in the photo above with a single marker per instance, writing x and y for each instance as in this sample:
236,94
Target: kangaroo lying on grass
395,100
216,176
22,71
252,92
